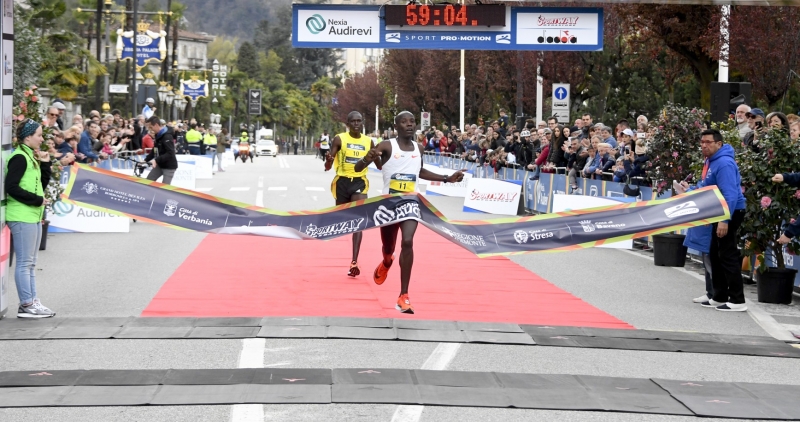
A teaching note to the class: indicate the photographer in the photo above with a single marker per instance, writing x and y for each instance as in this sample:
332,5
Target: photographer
525,153
162,156
755,120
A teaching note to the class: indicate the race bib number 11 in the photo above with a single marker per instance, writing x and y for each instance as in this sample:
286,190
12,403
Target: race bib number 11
402,183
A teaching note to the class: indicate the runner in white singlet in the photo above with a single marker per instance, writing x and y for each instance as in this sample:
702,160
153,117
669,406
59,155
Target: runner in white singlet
400,161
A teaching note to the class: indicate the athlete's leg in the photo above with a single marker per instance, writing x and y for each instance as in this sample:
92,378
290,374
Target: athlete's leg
389,240
357,236
407,228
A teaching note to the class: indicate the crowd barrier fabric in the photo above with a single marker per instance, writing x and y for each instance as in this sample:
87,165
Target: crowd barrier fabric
171,206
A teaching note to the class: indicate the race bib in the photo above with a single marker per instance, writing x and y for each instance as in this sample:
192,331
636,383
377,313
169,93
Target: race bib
402,183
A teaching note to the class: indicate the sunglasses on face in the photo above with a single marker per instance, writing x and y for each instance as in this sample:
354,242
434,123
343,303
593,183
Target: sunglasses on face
52,114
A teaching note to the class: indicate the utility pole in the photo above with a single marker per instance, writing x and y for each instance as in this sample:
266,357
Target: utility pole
135,57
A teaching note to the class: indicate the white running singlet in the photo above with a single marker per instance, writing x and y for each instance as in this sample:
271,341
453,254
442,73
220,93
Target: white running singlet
401,171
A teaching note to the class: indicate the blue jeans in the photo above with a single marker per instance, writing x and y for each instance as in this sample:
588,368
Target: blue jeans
27,238
194,149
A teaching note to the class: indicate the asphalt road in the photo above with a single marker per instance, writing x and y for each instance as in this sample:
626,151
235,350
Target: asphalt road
118,274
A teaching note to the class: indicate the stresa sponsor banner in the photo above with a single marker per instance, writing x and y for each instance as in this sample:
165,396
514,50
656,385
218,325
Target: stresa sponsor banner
167,205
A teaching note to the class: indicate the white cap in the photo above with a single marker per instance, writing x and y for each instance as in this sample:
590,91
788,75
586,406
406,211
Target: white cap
627,132
149,100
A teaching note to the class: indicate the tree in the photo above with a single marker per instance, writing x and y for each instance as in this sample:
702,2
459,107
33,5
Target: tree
764,48
691,31
247,61
223,49
56,55
360,93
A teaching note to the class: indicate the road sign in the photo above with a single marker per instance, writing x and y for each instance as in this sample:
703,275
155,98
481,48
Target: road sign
118,89
561,102
254,102
425,120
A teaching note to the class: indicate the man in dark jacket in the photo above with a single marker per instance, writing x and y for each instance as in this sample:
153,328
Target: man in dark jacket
162,157
720,169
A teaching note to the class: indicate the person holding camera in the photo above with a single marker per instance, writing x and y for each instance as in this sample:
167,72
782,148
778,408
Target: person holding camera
755,120
162,156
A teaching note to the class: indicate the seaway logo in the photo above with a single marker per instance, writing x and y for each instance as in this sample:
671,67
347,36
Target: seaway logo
315,24
679,210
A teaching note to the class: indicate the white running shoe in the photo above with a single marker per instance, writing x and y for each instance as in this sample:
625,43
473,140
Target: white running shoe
701,299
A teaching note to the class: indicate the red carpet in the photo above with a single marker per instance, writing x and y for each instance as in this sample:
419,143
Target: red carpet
255,276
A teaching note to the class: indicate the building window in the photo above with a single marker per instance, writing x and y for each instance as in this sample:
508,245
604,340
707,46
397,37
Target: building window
185,51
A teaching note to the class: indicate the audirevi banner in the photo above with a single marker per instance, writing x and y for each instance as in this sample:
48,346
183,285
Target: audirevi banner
185,209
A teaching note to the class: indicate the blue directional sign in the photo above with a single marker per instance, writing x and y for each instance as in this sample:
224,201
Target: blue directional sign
448,27
561,104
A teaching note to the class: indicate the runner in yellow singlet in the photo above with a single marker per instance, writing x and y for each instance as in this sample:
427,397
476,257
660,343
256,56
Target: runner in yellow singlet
349,185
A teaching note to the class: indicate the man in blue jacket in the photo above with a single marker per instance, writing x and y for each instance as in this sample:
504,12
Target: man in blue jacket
87,142
720,169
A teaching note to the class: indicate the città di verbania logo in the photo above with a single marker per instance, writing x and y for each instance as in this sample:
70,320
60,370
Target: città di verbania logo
337,27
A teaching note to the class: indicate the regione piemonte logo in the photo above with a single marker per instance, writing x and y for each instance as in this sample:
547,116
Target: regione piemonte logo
316,24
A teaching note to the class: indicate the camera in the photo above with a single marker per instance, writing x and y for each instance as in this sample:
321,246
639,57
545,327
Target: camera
640,135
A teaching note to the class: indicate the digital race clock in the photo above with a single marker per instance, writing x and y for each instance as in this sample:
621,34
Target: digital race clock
445,15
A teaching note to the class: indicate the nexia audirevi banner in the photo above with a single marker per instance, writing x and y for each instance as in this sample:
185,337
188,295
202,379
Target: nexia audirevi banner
179,208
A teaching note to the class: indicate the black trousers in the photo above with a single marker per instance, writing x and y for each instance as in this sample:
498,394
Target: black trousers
726,262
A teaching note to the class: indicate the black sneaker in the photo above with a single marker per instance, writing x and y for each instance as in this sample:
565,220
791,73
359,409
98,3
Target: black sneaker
732,307
711,303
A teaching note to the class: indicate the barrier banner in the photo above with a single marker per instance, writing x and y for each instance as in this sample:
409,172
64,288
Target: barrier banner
175,207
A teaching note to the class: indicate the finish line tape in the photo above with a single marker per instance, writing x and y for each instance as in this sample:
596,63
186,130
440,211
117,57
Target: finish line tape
189,210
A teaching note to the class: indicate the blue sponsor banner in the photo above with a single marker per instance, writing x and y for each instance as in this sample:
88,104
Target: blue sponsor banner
194,88
150,46
525,28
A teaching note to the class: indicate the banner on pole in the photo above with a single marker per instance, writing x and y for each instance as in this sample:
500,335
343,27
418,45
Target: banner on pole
150,45
171,206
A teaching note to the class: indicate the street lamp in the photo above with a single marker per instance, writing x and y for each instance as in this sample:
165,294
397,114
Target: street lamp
168,95
162,94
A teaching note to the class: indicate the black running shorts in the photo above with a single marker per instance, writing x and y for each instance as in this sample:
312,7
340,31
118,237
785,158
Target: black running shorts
344,187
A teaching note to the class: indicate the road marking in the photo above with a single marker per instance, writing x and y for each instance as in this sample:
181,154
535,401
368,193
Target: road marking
203,189
260,182
240,189
437,361
260,198
282,161
277,188
252,357
314,198
314,189
272,365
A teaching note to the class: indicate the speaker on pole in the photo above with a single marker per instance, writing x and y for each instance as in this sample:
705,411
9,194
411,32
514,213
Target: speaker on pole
726,96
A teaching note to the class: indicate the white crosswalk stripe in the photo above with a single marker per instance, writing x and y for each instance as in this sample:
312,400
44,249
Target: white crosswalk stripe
203,189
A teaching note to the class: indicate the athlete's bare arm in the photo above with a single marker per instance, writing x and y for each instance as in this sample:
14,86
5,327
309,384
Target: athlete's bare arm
379,165
379,155
435,177
331,154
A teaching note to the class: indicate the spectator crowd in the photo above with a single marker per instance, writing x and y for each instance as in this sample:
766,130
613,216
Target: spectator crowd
586,149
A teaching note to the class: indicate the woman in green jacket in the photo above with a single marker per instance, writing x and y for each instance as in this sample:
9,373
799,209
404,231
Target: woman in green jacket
27,176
